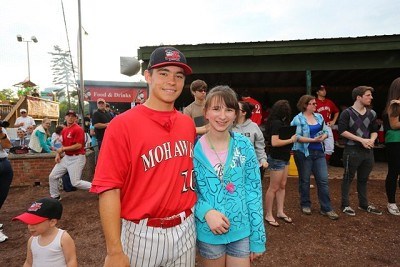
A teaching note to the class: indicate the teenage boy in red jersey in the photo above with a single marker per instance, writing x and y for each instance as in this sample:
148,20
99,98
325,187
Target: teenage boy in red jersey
256,113
330,112
144,174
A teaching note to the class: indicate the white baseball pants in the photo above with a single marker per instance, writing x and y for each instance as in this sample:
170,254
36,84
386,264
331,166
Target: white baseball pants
74,166
153,246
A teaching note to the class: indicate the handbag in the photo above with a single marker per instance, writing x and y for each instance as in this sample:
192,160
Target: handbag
19,150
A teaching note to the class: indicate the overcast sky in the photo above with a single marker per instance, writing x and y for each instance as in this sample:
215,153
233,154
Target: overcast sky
118,28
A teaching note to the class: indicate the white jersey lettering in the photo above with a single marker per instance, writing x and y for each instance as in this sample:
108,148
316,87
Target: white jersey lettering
156,155
182,148
187,181
163,152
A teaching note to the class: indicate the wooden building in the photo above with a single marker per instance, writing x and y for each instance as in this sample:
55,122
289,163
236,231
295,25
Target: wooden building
274,70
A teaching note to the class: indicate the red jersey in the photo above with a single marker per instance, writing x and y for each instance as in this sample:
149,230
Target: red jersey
256,115
148,154
326,108
72,135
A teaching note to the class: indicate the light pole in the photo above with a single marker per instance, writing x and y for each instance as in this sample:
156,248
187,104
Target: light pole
33,39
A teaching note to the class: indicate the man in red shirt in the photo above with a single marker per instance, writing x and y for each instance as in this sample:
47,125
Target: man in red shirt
70,157
256,113
330,112
144,174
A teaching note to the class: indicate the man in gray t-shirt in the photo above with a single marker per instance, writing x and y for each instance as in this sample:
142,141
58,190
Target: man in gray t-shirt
195,110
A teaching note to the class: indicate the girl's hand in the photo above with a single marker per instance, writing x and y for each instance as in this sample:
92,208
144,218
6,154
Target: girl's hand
218,222
319,138
293,139
264,165
254,255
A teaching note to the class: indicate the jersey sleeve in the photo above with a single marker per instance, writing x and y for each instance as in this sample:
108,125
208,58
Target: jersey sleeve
79,137
113,161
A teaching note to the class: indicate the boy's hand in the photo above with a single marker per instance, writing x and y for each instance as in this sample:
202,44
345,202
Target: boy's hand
116,260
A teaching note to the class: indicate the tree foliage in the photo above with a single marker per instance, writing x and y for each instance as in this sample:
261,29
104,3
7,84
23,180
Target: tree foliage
62,70
74,106
8,94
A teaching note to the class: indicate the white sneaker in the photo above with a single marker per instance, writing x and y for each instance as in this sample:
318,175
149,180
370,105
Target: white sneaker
393,209
3,237
349,211
1,226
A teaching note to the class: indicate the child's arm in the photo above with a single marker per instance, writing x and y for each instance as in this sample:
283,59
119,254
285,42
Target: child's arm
29,260
68,246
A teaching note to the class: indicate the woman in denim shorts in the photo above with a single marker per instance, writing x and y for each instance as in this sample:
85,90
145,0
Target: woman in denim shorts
278,159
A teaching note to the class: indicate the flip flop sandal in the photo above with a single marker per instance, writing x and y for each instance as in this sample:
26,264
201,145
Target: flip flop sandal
286,219
273,223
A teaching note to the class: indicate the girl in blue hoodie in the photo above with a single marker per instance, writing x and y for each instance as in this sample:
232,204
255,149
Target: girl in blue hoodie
229,214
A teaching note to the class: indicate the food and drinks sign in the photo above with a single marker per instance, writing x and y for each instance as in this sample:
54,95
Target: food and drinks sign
121,94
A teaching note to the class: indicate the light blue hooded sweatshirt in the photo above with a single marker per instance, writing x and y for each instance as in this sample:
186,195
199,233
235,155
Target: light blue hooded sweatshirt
243,207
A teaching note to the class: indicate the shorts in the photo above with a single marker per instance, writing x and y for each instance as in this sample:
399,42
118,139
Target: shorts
276,164
239,249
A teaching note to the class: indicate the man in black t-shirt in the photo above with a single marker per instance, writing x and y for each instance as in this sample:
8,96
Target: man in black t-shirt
100,120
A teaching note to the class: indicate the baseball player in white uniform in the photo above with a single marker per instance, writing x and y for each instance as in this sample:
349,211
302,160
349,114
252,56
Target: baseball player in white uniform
70,157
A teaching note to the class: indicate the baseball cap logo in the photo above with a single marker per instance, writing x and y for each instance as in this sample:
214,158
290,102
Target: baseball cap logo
172,55
35,206
168,56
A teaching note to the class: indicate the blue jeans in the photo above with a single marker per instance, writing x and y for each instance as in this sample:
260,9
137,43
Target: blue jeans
356,160
315,163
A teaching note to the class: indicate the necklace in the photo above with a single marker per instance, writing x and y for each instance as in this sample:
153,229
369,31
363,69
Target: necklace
230,187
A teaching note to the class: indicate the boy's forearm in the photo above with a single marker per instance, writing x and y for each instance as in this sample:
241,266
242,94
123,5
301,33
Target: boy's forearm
110,214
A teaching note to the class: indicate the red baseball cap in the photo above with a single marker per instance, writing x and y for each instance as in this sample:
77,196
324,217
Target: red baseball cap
41,210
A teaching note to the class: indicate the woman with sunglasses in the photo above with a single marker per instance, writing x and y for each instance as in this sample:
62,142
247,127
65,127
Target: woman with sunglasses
310,157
